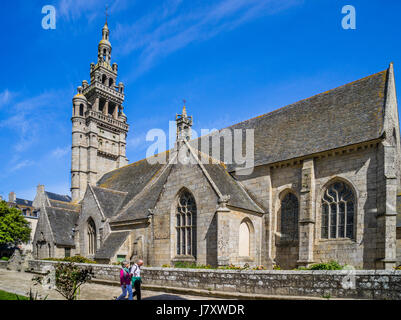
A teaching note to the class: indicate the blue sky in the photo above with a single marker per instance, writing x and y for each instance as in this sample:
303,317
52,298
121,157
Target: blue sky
230,59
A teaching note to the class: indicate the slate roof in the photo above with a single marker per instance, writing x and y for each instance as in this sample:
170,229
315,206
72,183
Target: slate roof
112,243
229,186
146,200
23,202
131,178
58,197
347,115
64,205
109,200
62,222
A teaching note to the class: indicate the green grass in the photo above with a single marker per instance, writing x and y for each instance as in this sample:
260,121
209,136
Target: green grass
10,296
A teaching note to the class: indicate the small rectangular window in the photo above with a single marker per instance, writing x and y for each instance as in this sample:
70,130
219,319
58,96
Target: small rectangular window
120,257
67,252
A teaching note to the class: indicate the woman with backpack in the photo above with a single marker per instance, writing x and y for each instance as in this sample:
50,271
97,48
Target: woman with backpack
125,281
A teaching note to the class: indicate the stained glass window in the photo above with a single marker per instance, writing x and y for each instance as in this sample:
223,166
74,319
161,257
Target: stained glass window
289,217
186,224
338,212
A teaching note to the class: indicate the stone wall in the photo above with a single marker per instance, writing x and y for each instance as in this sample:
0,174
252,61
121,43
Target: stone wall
369,284
3,264
357,167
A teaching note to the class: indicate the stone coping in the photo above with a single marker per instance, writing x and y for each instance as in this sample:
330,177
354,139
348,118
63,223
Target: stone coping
273,272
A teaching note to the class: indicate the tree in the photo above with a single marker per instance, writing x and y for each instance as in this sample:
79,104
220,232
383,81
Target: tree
69,279
14,228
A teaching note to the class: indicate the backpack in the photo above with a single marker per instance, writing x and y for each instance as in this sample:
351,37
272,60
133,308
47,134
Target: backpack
125,273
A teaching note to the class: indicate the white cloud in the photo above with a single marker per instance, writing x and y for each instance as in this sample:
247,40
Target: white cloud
60,152
21,164
30,116
137,142
157,35
5,97
90,9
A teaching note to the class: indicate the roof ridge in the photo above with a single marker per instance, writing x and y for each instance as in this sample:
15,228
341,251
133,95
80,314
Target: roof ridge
311,97
149,184
60,201
111,190
62,209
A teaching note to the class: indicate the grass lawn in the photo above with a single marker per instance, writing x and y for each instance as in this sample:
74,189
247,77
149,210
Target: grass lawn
10,296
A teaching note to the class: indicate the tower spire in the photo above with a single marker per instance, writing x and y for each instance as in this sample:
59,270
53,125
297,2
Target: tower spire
99,125
106,12
184,110
184,124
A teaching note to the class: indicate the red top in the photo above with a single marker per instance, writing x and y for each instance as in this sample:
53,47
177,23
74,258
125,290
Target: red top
125,277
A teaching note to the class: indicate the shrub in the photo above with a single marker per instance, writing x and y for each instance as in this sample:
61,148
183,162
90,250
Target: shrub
75,259
69,279
5,258
191,265
79,259
231,267
276,267
332,265
259,268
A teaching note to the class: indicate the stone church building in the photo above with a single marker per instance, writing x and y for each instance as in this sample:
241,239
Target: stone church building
323,187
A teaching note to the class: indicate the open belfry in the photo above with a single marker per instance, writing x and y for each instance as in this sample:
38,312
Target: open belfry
325,184
99,125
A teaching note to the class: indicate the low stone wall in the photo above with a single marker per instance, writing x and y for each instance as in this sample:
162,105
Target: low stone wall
3,264
359,284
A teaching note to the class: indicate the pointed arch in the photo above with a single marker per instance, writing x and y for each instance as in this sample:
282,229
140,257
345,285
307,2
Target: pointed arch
186,223
91,233
288,215
246,230
338,209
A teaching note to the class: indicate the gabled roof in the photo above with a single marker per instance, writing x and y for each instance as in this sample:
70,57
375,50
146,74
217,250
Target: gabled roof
347,115
58,197
131,178
136,205
227,185
139,209
110,246
109,200
62,222
23,202
64,205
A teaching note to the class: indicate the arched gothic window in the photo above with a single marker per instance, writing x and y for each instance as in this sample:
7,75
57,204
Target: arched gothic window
338,209
244,240
91,237
289,217
186,224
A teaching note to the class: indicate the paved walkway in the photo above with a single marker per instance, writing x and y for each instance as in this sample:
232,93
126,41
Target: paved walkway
20,282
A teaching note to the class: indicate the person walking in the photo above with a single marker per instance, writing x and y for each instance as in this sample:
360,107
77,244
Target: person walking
125,282
136,278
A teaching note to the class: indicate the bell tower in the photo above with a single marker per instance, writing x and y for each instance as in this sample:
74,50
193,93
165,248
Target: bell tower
184,126
99,125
